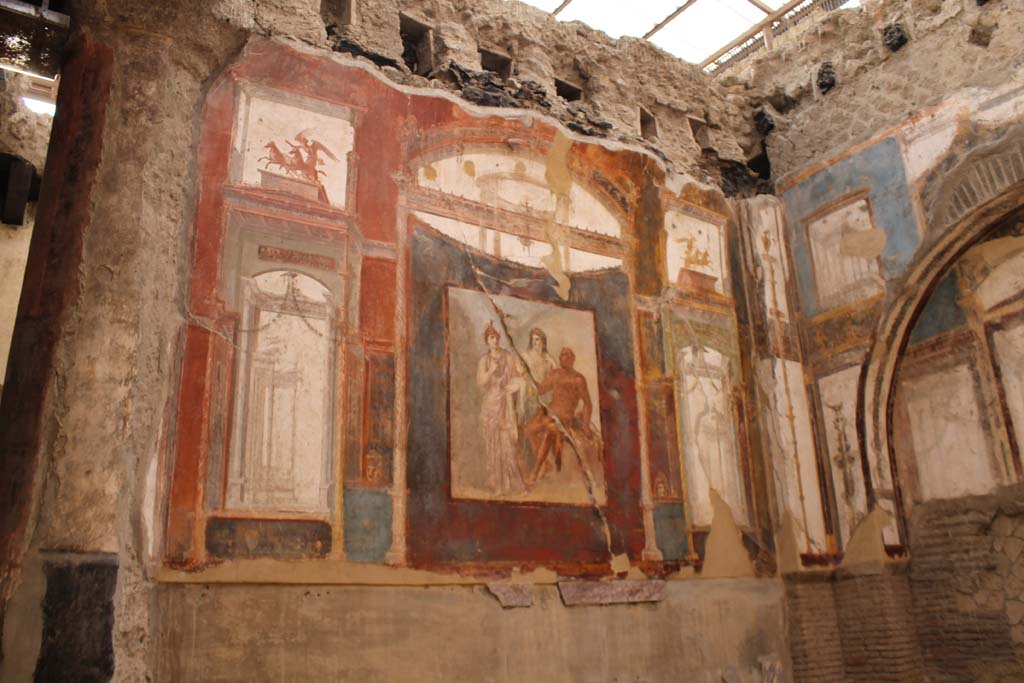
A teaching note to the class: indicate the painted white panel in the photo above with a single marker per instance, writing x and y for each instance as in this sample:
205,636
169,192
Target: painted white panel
948,434
1009,354
1006,280
290,149
766,226
710,453
792,448
839,403
695,253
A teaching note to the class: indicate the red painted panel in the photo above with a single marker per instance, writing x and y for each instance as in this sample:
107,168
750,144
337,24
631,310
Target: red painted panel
184,505
377,300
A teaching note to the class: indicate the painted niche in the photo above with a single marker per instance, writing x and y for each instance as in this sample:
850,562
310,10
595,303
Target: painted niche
282,435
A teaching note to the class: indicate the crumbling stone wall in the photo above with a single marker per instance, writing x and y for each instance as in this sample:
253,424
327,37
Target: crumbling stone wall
951,45
616,77
25,133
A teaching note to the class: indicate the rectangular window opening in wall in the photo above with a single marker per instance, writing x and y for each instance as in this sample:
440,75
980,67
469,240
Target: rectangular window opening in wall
417,45
699,130
336,13
567,91
496,62
648,125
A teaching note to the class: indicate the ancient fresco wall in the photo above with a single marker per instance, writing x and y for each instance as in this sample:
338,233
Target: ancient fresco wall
236,333
852,230
921,224
958,401
487,352
436,338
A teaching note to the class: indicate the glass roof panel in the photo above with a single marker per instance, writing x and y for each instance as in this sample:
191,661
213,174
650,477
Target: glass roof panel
617,18
698,32
702,29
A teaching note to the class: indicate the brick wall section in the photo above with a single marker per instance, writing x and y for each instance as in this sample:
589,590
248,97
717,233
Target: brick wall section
813,628
953,614
961,584
876,625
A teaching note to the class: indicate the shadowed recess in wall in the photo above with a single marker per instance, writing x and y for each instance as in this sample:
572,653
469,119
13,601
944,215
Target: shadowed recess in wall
78,622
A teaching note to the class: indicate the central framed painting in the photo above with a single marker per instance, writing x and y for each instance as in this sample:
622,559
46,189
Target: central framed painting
524,418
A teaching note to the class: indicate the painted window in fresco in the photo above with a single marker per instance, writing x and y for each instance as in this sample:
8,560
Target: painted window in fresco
282,436
516,182
839,240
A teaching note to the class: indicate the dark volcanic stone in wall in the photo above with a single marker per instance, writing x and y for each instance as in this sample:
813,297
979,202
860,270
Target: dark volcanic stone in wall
78,622
764,122
894,36
826,77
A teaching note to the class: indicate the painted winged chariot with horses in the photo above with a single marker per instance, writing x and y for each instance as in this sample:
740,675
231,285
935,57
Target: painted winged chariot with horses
302,160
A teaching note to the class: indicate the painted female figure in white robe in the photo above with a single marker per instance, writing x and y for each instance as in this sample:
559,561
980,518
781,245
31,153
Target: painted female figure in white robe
499,381
539,363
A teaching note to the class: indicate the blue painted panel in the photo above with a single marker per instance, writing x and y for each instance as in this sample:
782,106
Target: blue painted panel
878,169
670,530
942,313
367,524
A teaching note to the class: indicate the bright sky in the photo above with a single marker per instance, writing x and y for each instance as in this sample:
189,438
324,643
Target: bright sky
694,35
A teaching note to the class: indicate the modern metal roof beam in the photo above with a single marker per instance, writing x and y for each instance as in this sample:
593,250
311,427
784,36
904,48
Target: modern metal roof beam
664,22
765,25
565,3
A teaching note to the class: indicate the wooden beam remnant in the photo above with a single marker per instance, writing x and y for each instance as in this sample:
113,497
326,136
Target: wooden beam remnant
664,22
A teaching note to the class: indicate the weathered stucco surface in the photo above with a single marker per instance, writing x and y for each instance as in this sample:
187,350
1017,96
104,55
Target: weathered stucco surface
616,76
264,633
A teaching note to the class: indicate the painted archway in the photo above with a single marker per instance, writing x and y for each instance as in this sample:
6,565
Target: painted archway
965,197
